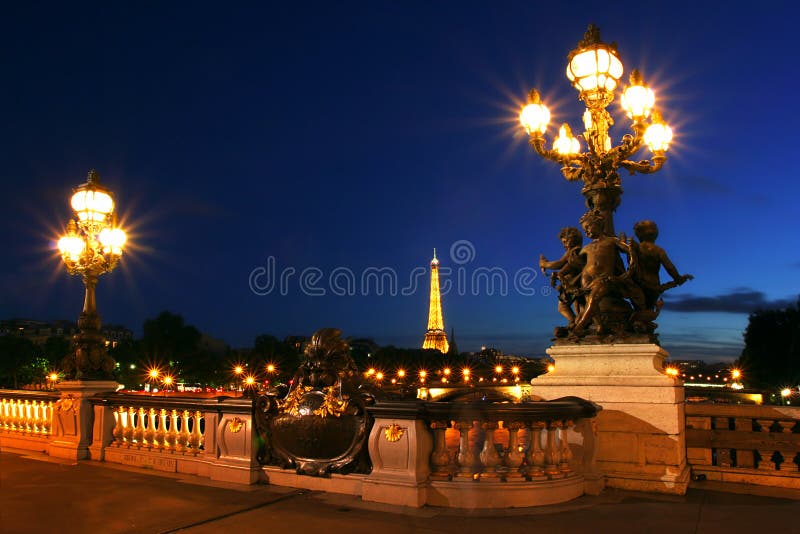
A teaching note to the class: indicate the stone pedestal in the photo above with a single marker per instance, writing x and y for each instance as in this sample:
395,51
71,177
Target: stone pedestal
400,448
73,417
641,429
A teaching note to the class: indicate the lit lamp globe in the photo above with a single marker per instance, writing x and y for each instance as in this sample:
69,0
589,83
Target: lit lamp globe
535,116
658,135
92,204
637,99
594,68
566,144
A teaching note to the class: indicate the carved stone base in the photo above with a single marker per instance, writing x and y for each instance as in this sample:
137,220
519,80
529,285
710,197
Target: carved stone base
73,417
641,429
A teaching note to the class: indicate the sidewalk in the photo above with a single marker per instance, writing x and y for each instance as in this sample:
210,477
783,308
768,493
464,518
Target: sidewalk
40,494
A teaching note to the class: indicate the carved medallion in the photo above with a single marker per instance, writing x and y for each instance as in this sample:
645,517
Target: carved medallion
235,425
393,432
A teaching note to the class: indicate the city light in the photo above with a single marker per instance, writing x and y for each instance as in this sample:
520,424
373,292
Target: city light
270,367
672,371
551,368
736,374
498,369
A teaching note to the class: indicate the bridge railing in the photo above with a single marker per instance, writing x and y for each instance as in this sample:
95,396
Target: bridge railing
744,443
26,418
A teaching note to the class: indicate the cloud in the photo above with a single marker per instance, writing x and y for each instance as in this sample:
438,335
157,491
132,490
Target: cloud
741,300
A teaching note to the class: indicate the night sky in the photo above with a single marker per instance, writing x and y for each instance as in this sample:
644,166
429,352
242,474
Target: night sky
344,136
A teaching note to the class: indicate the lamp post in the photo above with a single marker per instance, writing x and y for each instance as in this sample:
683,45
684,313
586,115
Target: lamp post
91,247
595,292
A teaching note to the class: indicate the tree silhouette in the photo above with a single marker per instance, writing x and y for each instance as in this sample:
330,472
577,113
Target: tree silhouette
771,355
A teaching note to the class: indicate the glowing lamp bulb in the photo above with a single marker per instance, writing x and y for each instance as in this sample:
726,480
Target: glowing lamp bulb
446,371
167,380
238,369
53,377
250,380
401,373
565,144
535,116
112,239
551,368
515,370
637,101
786,392
736,373
658,135
71,247
498,369
153,373
423,374
379,375
271,368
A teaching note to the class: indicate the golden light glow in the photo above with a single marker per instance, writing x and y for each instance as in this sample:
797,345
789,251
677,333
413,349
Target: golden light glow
167,380
446,371
423,374
498,369
154,373
71,246
658,135
535,116
551,368
671,371
92,204
270,367
565,144
595,69
736,373
785,392
250,380
112,239
238,369
515,370
401,373
370,371
379,375
637,101
53,377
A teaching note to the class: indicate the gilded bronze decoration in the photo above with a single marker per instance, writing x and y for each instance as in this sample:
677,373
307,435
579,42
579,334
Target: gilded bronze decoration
393,432
603,298
320,426
235,425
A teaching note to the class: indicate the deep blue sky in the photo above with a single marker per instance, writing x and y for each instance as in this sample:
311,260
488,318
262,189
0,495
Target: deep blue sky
363,134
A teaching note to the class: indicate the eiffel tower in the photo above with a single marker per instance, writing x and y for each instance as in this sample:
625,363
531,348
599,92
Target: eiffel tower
435,337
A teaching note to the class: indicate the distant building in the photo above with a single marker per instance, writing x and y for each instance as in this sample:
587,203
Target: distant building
435,337
39,331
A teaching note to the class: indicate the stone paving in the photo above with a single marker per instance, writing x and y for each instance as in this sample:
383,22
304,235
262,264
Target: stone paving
40,494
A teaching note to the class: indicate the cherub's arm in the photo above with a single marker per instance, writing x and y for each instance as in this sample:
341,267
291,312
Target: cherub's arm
557,264
671,269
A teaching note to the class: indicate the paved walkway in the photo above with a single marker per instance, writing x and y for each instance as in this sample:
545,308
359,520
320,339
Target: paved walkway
40,494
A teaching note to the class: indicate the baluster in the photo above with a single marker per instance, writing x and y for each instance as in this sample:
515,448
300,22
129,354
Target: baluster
150,431
723,455
36,408
118,426
172,434
138,428
744,458
183,435
128,425
440,457
161,431
566,450
514,456
466,456
765,463
552,455
3,415
26,416
488,456
47,417
788,455
196,439
535,458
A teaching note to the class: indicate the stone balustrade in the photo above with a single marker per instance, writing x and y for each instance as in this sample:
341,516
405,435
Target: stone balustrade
159,428
482,454
26,418
744,443
27,412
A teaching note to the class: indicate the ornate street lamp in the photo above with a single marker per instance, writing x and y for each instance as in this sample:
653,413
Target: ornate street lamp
597,296
91,247
594,68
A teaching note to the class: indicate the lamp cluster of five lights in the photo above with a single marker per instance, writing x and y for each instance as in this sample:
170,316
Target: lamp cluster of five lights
594,68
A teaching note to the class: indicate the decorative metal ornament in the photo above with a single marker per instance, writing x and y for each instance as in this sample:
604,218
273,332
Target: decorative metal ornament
235,425
393,432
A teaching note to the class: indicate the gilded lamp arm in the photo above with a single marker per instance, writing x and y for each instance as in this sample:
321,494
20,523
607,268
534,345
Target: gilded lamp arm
571,164
645,166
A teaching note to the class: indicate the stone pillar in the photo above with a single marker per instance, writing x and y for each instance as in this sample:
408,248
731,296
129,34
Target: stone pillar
73,417
641,441
400,447
232,447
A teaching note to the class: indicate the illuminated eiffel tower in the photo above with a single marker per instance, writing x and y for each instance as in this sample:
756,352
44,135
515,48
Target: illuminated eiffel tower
435,337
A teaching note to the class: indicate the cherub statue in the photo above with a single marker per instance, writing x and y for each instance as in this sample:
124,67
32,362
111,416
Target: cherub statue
568,275
604,274
651,258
